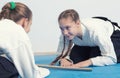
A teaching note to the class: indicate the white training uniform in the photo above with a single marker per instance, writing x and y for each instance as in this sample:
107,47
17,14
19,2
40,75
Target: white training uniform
96,32
15,44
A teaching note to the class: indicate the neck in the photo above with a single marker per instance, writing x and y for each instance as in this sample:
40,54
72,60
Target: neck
80,32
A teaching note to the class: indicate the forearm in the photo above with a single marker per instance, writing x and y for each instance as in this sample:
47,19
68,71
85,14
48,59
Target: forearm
85,63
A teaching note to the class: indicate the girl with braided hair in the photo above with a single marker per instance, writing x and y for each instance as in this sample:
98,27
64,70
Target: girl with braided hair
86,42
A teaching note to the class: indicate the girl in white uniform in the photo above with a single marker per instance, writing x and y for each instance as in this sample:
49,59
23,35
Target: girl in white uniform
85,42
15,21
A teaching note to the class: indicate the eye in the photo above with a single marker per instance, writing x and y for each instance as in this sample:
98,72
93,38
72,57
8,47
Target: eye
67,27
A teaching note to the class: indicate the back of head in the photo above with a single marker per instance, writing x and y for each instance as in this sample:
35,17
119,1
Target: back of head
15,11
69,13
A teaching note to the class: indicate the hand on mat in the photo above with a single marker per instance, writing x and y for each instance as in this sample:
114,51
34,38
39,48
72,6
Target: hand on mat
85,63
74,66
64,62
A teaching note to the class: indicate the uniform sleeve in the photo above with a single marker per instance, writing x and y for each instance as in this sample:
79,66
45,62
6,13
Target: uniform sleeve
23,59
107,50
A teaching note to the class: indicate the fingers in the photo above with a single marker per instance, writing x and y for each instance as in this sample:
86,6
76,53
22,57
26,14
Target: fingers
65,63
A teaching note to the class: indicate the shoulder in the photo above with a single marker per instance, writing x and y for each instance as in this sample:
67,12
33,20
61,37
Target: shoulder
94,23
12,35
12,30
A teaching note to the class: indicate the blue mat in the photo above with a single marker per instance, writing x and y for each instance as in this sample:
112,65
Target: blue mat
97,72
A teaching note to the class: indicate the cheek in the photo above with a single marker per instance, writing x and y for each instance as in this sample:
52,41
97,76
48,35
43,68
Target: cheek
73,32
27,29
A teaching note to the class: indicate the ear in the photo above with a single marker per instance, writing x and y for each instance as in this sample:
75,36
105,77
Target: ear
25,22
78,23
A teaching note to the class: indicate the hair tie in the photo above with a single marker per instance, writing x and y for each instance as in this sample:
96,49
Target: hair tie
12,5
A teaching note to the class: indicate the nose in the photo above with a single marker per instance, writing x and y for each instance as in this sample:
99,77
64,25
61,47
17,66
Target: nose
65,32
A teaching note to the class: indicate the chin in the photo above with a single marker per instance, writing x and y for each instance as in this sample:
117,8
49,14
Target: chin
70,38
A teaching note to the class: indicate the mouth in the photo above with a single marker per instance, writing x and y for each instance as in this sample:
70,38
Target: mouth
69,37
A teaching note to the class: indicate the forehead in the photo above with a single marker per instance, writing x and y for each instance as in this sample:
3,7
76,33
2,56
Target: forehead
65,21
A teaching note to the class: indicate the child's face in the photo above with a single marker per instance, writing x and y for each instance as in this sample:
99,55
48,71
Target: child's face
69,28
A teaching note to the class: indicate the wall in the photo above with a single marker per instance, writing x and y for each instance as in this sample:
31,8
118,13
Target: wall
45,30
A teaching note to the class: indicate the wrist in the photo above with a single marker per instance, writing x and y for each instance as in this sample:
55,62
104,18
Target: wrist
85,63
